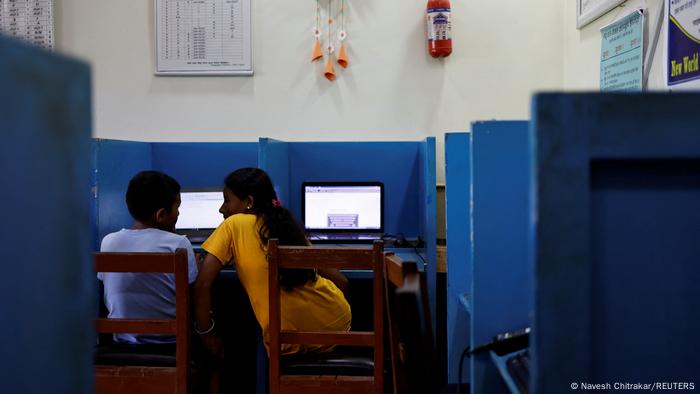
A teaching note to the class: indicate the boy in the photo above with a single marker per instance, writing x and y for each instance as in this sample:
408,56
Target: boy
153,199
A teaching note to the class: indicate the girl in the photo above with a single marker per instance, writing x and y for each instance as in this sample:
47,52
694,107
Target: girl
253,215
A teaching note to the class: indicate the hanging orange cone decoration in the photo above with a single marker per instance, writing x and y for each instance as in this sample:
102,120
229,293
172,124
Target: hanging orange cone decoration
342,58
317,54
330,73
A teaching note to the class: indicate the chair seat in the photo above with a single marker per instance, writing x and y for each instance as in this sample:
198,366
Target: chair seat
333,363
136,355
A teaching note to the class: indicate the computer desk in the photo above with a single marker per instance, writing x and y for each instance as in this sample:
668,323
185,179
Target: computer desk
407,254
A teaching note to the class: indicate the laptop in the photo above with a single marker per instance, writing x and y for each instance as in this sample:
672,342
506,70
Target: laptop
199,214
343,212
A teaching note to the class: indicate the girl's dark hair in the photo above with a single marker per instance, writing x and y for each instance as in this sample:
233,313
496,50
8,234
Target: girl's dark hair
277,221
150,191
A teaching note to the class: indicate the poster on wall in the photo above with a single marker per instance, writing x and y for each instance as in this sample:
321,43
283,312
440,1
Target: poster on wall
682,71
203,37
622,54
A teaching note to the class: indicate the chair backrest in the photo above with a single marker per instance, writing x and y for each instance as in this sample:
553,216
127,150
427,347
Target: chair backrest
338,257
122,378
410,334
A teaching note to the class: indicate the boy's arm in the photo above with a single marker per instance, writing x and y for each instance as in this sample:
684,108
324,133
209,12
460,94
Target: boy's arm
338,279
192,263
200,260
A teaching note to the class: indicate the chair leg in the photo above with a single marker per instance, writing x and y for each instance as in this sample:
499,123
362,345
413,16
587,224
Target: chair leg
214,376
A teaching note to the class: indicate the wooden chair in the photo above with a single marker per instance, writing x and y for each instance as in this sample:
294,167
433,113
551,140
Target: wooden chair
323,376
139,368
410,334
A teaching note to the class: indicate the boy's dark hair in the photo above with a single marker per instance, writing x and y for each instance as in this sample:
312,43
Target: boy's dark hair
277,221
150,191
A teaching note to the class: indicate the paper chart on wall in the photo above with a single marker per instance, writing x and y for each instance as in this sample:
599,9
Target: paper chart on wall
28,20
622,54
203,37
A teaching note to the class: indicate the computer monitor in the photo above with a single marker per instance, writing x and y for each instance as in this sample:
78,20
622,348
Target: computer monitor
343,207
199,213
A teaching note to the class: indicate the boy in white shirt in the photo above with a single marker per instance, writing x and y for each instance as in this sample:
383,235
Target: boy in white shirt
153,199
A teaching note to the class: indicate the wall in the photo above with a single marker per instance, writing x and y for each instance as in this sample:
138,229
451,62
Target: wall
582,47
503,52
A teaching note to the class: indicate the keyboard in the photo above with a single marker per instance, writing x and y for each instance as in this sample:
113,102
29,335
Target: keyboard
344,237
519,368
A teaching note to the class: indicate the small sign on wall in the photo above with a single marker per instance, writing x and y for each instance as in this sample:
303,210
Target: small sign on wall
683,49
622,54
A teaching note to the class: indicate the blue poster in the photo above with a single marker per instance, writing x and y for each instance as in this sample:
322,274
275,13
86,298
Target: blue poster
683,41
621,54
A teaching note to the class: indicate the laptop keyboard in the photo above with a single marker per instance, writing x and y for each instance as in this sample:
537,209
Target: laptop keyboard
343,237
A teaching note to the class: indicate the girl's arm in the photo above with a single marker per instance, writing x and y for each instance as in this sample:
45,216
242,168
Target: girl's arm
202,300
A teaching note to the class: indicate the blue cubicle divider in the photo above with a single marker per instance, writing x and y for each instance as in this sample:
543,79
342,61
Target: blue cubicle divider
459,258
114,163
502,277
203,164
427,224
409,187
273,157
47,332
193,164
397,164
617,251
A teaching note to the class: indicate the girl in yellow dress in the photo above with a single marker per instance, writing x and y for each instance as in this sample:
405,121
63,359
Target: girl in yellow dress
310,300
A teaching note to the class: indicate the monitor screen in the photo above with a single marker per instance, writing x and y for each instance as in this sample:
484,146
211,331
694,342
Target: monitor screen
200,210
343,207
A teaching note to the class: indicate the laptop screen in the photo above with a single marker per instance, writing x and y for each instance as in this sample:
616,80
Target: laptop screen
200,210
343,206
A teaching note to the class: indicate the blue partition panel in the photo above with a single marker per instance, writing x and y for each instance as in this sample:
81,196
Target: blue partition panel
427,212
46,298
617,242
115,163
502,276
397,164
459,258
273,157
192,164
203,164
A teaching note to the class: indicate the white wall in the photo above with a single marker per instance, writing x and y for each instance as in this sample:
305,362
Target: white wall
503,52
582,47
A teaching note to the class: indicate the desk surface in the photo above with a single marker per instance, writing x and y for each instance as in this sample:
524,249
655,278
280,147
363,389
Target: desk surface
407,254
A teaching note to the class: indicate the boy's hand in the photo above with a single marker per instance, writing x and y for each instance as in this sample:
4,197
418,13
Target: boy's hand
199,257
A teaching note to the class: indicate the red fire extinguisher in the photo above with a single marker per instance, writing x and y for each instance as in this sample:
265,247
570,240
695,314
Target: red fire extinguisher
439,28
